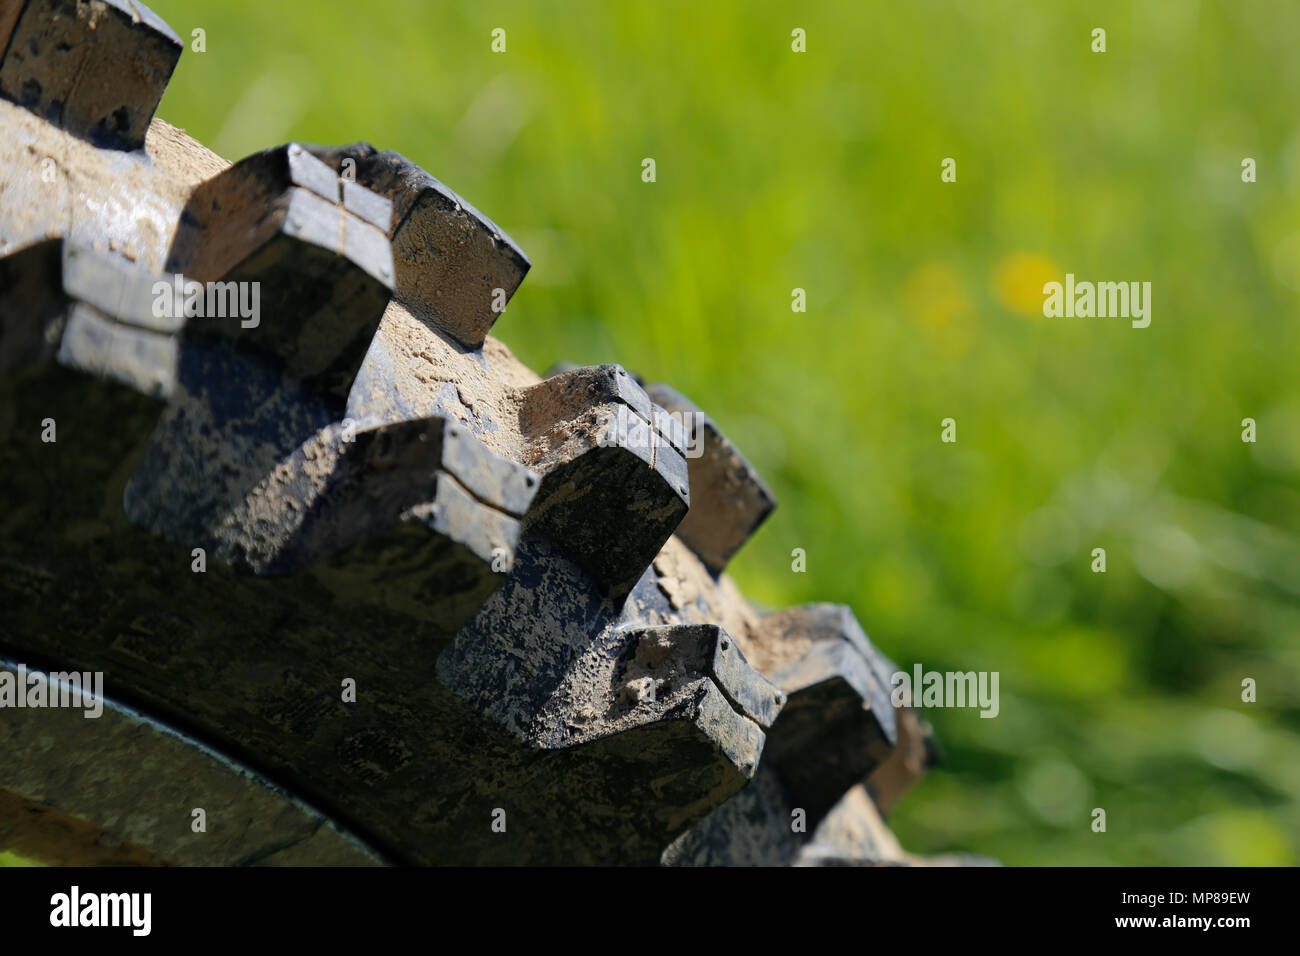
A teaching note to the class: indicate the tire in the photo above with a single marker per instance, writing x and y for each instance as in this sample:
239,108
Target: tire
361,587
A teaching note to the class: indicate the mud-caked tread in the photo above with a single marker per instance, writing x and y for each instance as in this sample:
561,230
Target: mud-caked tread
615,483
839,724
285,510
837,741
665,653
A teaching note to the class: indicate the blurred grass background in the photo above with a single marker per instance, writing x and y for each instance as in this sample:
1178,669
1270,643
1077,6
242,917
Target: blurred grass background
820,170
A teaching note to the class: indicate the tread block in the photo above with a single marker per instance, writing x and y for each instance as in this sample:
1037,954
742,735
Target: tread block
323,275
430,472
611,509
628,719
614,487
838,724
331,492
731,500
570,391
670,654
450,258
88,312
916,753
439,558
691,748
95,69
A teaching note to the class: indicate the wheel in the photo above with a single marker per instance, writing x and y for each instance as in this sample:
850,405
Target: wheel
360,586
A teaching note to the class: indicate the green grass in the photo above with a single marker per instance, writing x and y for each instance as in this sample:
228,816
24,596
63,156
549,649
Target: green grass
821,170
8,858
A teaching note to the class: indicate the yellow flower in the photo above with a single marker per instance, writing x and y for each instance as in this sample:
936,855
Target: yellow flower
1019,279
